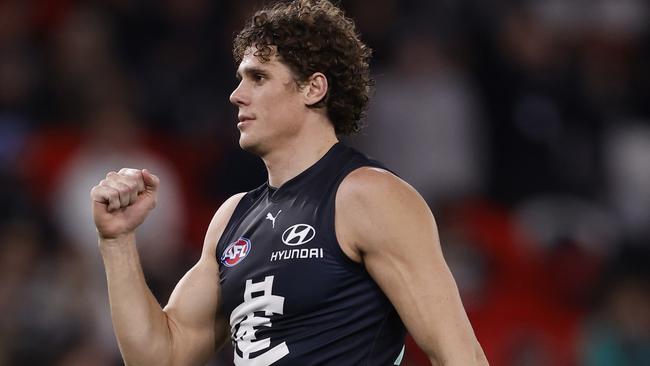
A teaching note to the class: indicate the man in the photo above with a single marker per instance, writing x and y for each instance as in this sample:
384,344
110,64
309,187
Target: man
322,265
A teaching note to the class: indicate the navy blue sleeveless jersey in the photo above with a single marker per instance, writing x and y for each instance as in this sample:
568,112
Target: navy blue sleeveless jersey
291,294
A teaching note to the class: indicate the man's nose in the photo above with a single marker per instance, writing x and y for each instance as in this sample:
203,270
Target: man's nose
238,97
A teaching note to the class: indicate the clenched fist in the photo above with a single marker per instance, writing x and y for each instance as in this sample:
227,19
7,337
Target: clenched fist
122,201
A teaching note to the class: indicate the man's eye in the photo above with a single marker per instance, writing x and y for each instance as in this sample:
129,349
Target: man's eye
258,77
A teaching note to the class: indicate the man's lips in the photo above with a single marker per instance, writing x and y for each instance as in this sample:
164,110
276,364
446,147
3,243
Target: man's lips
243,120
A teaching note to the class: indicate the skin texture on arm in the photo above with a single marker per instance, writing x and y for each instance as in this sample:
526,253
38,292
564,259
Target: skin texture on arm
188,330
383,223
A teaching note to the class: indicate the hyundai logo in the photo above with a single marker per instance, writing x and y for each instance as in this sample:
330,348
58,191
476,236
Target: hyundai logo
298,234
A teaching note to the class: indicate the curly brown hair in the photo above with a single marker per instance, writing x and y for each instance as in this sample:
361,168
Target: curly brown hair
315,36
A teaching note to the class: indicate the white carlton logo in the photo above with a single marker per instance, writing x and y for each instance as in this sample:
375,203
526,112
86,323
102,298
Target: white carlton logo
298,234
244,325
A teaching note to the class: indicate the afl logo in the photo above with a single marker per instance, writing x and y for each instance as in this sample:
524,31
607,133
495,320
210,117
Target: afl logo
236,252
298,234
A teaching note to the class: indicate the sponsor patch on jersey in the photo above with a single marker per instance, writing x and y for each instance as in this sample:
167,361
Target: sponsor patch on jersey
236,252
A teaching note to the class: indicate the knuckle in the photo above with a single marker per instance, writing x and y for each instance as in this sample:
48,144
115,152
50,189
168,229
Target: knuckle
132,184
130,172
124,189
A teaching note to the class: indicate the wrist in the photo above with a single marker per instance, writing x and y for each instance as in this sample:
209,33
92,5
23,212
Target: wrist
117,240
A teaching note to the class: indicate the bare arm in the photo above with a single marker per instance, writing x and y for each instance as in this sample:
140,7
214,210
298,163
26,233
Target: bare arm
384,223
187,331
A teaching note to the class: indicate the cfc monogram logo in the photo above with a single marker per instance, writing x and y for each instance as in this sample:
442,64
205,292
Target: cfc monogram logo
258,298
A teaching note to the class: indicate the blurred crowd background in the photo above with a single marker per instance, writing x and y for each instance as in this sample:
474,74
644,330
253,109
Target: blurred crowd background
524,124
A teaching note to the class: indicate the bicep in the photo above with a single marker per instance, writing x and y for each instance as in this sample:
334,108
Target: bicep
196,324
192,313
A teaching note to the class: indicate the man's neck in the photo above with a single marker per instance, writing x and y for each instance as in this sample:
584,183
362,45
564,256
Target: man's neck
292,159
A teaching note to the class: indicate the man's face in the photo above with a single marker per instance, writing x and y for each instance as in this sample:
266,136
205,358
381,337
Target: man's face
271,108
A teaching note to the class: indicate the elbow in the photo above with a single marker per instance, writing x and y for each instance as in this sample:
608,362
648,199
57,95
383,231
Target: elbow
481,360
479,356
477,361
460,358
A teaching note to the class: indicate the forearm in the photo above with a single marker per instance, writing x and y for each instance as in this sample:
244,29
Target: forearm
140,324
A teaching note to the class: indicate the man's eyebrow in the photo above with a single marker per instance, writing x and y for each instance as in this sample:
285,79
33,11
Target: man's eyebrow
251,71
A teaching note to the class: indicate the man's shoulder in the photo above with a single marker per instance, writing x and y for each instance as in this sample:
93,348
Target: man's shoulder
219,222
374,205
369,183
371,195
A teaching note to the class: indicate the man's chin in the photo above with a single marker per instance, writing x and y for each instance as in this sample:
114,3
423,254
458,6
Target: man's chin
247,144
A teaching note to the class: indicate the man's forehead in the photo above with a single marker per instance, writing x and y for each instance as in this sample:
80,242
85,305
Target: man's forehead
268,50
251,61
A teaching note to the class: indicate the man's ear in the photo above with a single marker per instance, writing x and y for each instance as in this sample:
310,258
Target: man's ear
315,89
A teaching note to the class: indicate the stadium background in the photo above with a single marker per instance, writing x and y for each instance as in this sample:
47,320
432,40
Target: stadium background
525,125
